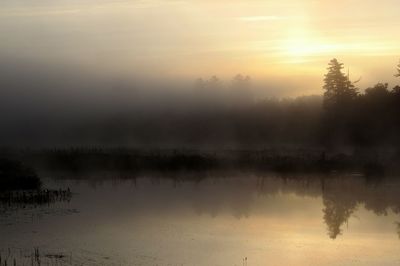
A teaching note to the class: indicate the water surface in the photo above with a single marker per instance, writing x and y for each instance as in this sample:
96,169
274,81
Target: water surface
230,220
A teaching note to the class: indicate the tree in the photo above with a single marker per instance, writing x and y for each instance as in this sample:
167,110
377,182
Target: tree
398,228
396,91
340,202
336,214
241,81
398,70
338,88
209,92
379,91
241,90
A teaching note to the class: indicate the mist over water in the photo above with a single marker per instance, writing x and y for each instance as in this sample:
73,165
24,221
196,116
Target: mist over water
186,132
218,220
45,106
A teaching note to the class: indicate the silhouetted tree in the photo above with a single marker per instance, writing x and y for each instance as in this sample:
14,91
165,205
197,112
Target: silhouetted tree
376,115
222,113
209,92
338,88
241,90
396,91
339,99
199,84
241,81
379,90
209,85
214,82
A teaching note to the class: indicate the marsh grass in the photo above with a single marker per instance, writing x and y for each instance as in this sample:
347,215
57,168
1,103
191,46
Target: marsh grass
20,186
35,197
34,258
136,162
16,176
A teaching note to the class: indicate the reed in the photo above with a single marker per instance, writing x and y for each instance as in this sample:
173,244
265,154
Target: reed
35,258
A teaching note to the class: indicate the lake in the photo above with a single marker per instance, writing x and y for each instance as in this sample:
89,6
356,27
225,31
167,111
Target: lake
222,219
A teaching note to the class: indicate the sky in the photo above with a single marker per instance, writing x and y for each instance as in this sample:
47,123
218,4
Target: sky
287,43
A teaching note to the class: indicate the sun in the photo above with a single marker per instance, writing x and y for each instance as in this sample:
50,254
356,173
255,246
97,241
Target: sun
303,45
308,47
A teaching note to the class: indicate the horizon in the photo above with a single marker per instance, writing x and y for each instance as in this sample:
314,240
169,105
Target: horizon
285,45
199,132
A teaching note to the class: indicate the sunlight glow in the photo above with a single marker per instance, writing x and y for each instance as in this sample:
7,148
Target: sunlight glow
203,38
302,48
301,43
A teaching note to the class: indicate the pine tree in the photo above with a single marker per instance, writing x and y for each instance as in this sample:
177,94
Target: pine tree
338,88
398,71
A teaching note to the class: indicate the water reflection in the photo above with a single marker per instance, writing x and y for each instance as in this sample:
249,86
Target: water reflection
341,195
225,215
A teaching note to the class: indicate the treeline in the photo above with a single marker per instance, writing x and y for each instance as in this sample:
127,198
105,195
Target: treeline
255,125
217,115
359,119
193,123
227,115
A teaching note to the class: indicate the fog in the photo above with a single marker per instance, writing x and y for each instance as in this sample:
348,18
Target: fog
287,40
102,72
44,106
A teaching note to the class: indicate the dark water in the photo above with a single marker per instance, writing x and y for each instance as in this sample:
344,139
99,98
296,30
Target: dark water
270,220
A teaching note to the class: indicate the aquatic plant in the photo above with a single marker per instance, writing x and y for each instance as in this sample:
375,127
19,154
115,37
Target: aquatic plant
16,176
34,258
20,186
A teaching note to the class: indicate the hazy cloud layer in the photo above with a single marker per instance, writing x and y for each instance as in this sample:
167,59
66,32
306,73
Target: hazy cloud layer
187,39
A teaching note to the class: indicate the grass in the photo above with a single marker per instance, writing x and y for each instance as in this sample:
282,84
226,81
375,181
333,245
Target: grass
34,197
84,160
35,258
20,186
16,176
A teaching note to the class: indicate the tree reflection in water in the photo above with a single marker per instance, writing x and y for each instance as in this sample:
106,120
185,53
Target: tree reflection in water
341,195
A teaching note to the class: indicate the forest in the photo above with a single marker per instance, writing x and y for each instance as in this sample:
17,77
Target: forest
213,115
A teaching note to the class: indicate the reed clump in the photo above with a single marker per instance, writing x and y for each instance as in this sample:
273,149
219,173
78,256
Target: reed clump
20,186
